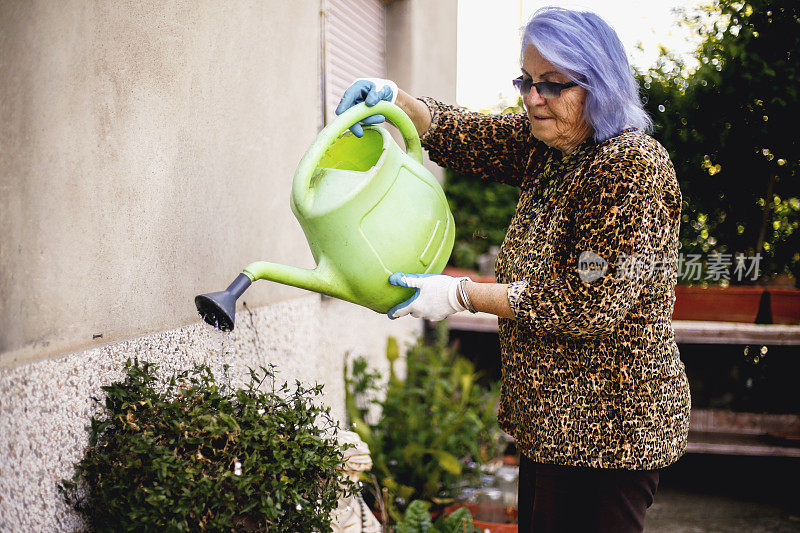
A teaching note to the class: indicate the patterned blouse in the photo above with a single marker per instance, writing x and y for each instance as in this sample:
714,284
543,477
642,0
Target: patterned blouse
591,372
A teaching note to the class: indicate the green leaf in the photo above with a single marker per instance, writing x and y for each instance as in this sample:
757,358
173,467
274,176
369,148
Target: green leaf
416,518
459,521
447,461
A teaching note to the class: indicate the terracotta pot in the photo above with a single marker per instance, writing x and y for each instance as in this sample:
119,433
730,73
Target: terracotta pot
785,305
492,527
722,304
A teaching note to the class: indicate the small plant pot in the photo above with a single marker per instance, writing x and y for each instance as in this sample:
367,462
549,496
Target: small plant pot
721,304
509,526
785,305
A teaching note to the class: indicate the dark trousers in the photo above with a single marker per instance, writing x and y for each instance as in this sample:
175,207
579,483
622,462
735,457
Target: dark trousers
555,499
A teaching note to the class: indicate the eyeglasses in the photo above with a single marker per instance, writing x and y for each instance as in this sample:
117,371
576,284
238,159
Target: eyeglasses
546,89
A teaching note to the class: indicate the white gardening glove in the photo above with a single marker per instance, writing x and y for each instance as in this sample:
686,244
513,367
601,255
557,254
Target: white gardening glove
436,297
371,91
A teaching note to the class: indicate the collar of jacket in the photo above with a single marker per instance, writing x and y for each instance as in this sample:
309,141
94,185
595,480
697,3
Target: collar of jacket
558,163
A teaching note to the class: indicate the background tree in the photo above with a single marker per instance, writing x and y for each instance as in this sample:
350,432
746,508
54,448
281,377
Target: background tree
729,128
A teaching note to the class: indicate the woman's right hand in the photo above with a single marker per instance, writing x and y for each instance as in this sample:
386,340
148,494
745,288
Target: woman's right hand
371,91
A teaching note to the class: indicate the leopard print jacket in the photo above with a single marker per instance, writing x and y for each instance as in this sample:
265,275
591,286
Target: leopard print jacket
591,372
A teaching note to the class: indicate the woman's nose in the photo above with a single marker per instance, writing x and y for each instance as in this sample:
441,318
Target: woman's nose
534,98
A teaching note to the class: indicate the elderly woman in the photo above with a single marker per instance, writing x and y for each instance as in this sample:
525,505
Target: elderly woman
594,391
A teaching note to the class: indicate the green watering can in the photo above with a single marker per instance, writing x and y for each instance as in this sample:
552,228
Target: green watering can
368,209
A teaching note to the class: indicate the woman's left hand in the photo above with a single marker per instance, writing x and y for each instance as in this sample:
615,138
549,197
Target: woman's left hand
436,297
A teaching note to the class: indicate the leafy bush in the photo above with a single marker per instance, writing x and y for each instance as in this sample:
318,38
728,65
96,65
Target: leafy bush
417,520
188,454
435,427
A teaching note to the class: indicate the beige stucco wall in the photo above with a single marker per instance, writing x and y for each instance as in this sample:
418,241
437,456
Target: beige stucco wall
147,151
421,47
421,50
147,155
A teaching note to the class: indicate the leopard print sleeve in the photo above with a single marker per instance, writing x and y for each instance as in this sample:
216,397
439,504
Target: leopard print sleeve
495,147
622,215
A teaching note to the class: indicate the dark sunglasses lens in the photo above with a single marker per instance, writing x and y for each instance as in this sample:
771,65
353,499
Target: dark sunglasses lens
522,85
527,85
546,89
549,89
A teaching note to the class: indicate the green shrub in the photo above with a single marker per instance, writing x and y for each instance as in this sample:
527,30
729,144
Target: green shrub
417,519
186,454
436,426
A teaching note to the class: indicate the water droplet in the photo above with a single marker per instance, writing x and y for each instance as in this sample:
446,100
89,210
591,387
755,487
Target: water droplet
661,108
298,507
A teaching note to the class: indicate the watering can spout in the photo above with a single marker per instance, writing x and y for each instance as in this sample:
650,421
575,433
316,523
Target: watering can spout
219,308
320,279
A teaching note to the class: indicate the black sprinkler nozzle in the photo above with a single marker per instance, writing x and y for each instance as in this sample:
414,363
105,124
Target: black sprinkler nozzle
219,308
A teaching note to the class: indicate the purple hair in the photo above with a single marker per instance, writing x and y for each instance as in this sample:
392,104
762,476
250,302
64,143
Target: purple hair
585,48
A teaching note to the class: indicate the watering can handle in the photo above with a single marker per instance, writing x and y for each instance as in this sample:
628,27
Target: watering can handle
335,129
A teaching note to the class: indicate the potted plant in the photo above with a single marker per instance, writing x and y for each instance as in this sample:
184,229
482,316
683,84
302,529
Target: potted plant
508,526
434,428
186,453
417,519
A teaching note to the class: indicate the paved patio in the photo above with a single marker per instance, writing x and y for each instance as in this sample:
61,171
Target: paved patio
717,493
677,511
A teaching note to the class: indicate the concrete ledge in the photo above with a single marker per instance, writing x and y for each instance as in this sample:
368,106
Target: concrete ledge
686,331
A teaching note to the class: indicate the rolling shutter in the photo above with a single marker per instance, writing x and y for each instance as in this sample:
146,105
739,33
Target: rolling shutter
354,46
